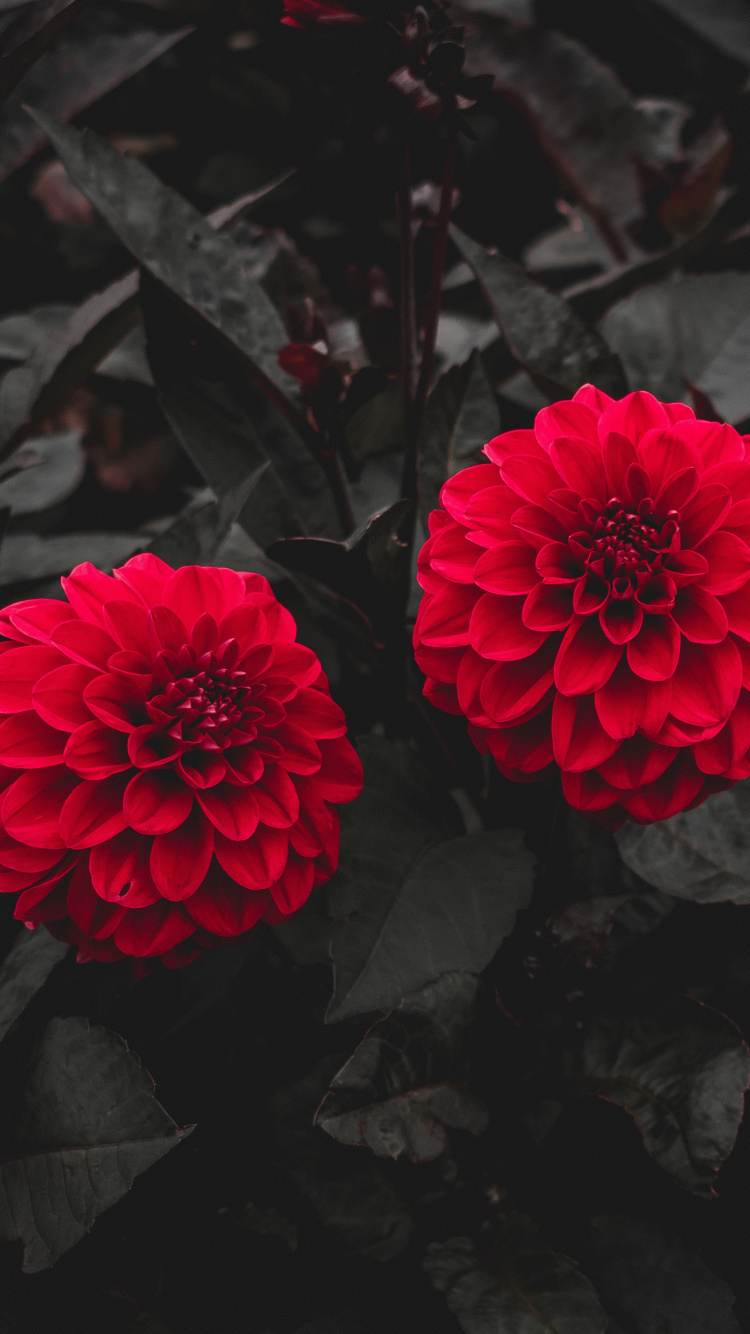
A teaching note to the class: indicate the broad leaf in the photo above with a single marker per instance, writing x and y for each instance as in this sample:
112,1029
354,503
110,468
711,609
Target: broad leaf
195,537
461,416
61,345
695,329
513,1284
681,1070
585,119
702,855
379,426
365,569
26,40
89,1125
723,23
181,250
402,1086
25,556
350,1196
78,71
649,1281
549,340
44,472
410,902
24,970
230,430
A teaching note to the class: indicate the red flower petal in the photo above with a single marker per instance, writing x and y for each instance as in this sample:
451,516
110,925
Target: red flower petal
511,689
593,398
702,515
566,418
706,683
513,442
93,812
58,697
120,871
728,562
156,802
508,567
317,713
654,652
444,618
36,618
232,810
87,589
452,555
621,620
224,907
537,525
146,932
30,808
633,415
588,791
277,798
548,607
26,742
127,623
586,659
203,768
673,792
150,747
294,886
180,860
84,642
91,914
116,701
637,762
557,564
581,467
94,751
20,670
18,857
497,629
531,478
627,703
341,777
700,616
579,740
257,862
460,489
193,588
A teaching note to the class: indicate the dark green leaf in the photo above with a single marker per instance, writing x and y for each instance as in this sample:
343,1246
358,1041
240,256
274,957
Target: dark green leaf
461,416
723,23
412,903
365,569
78,71
651,1282
181,250
401,1088
230,430
514,1286
43,472
24,970
379,426
353,1199
26,40
195,537
89,1125
681,1069
549,340
26,556
703,854
694,328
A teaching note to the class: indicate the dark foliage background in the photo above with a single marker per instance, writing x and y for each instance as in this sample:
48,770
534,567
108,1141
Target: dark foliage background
566,1073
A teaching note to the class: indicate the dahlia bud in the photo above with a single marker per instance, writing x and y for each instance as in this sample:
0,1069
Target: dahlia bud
587,604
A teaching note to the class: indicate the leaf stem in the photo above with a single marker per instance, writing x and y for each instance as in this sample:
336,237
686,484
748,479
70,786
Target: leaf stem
407,302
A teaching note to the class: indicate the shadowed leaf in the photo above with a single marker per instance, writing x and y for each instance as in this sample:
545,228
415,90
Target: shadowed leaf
702,855
89,1125
352,1198
649,1281
681,1070
28,37
78,71
514,1284
401,1088
723,23
410,902
24,970
557,349
461,416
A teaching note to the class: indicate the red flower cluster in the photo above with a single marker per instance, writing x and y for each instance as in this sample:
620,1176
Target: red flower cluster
587,604
177,751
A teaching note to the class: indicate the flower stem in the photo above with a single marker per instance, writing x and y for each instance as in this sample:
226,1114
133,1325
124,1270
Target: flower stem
407,303
410,483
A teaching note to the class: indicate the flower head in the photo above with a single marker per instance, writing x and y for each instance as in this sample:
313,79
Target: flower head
587,604
169,756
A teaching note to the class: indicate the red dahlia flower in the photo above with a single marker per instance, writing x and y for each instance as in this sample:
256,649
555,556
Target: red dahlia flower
587,604
168,757
309,13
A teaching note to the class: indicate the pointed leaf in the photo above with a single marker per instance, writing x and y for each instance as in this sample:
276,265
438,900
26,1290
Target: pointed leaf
24,970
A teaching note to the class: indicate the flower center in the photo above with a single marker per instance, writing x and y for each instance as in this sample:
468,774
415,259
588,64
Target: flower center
624,546
205,701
